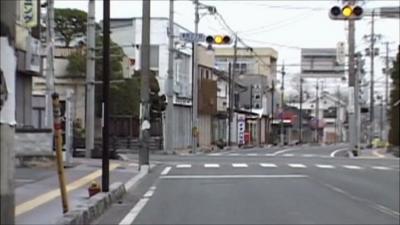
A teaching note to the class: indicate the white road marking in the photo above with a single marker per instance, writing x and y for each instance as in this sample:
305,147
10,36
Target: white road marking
148,194
324,166
294,165
352,167
239,165
166,170
131,216
380,168
211,165
338,150
183,166
288,155
252,154
234,154
282,151
130,183
133,164
153,188
215,154
308,155
269,154
232,176
267,165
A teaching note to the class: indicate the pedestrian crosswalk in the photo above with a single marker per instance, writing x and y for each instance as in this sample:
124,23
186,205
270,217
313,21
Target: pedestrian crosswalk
287,165
267,155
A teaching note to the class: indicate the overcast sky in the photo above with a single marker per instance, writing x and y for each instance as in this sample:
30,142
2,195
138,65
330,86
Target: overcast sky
283,25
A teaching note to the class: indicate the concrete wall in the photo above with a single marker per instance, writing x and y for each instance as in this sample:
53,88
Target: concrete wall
205,131
33,142
23,101
182,127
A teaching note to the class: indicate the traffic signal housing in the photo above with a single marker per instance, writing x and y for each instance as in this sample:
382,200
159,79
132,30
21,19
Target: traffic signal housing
346,12
218,39
158,104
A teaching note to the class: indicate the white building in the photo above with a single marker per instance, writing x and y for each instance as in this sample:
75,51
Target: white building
126,32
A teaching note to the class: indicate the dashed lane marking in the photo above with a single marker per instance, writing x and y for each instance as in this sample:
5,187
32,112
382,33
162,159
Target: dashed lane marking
294,165
239,165
269,165
325,166
352,167
183,166
211,165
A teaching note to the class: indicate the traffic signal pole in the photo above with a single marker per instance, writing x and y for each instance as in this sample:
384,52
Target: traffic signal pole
170,82
106,87
353,94
144,86
372,56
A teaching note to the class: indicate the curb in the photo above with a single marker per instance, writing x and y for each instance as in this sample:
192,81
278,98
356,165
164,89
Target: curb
94,207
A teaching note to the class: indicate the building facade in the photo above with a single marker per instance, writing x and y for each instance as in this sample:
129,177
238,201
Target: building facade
126,32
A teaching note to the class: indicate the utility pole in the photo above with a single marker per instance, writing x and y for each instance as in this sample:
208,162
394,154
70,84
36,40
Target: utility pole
317,112
372,55
230,104
353,94
387,74
50,64
90,78
234,74
301,112
7,113
272,109
170,82
381,118
144,86
195,79
106,87
282,102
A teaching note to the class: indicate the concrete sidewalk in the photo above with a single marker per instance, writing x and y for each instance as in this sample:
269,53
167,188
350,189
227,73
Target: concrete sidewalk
376,153
37,190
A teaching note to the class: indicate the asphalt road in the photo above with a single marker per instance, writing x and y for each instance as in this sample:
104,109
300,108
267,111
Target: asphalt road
258,186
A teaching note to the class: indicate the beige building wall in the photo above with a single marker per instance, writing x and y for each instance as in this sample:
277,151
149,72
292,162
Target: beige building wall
264,64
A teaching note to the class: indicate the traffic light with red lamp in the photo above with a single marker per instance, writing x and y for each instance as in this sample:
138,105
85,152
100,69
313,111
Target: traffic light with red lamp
346,12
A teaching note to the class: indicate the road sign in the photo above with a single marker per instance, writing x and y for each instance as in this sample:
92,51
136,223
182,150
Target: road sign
340,53
192,37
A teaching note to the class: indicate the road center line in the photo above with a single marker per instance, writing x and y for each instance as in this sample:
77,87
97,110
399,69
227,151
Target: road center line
267,165
297,165
232,176
324,166
352,167
211,165
183,166
239,165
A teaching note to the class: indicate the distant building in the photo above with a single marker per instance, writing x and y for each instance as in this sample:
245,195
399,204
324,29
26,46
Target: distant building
332,117
256,70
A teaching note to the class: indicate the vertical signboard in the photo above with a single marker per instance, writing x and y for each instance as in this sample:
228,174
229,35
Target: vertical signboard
29,12
7,84
241,123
